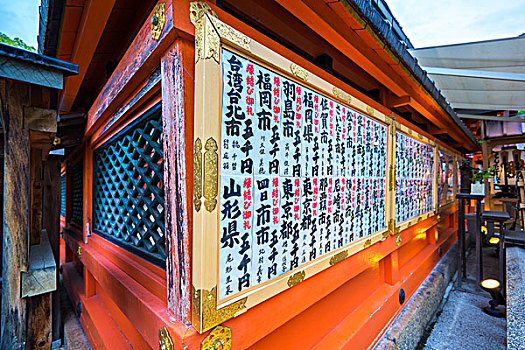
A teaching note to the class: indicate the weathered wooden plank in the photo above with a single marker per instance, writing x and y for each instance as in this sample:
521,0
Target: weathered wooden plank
35,175
30,73
51,223
40,276
177,97
14,96
39,322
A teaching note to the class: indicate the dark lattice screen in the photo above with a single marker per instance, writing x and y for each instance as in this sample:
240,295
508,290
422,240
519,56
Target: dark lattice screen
128,203
77,189
63,195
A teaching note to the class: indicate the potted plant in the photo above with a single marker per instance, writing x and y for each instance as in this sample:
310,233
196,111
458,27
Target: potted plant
478,175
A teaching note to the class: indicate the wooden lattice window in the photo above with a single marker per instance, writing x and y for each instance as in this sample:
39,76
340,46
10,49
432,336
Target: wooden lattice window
63,195
77,192
128,199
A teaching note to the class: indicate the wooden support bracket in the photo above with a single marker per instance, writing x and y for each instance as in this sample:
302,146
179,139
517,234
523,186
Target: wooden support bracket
396,102
41,276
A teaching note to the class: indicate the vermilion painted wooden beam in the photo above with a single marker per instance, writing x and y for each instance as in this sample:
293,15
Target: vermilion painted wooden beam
396,102
94,18
330,26
434,130
139,61
341,41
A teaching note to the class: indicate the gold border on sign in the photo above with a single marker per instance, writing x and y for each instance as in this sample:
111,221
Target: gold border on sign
208,37
205,314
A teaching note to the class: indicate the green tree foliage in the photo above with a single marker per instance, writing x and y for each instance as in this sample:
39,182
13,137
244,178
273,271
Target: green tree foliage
16,42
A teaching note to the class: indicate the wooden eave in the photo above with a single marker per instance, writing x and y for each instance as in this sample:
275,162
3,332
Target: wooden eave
34,68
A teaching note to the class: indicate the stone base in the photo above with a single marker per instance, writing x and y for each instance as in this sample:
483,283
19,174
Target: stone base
409,326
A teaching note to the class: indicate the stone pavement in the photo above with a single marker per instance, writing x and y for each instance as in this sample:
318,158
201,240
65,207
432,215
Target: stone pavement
516,298
462,325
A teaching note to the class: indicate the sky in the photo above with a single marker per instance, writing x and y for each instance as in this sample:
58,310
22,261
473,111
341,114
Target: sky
425,22
19,18
442,22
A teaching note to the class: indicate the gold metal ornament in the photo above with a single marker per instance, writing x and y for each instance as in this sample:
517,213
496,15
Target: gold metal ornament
220,338
198,9
299,72
158,19
296,278
209,31
392,178
205,314
342,95
79,252
165,342
337,258
398,240
197,174
367,244
211,174
392,229
370,110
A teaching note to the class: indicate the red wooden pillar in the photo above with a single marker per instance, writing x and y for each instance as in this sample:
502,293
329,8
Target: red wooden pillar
177,119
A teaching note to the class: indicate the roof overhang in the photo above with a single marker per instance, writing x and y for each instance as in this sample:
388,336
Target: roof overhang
34,68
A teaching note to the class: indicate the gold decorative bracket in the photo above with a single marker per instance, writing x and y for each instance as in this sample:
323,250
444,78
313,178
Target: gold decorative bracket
157,21
339,257
211,174
165,342
340,94
219,338
209,31
392,229
369,110
198,9
299,72
197,174
205,314
367,244
296,278
392,178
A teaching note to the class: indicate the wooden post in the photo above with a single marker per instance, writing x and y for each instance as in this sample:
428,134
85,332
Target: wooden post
177,110
390,266
13,97
51,223
486,152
